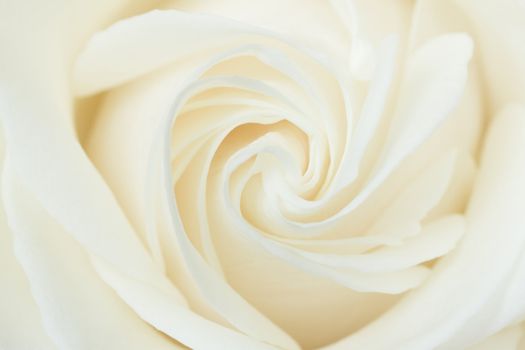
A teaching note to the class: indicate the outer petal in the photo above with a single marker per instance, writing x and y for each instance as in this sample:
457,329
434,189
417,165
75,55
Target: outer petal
56,183
511,338
330,25
35,107
79,311
20,320
499,28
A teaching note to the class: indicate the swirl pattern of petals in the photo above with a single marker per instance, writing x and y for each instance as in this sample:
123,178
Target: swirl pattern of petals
263,155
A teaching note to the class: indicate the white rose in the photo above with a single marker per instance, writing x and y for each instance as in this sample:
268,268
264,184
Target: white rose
262,175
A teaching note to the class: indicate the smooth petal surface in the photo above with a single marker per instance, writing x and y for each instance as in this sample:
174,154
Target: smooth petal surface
510,338
428,94
75,316
21,326
498,29
49,112
167,315
20,321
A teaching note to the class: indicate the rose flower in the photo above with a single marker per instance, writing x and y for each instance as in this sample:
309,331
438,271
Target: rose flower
237,175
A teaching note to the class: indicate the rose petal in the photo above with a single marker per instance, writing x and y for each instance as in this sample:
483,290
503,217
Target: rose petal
159,94
435,240
498,30
511,338
164,313
460,300
20,320
222,297
399,218
152,39
227,216
434,81
432,85
21,324
368,120
79,311
47,159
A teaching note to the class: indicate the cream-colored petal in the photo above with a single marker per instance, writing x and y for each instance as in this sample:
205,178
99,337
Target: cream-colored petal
211,288
400,217
68,187
226,217
432,86
165,314
510,338
21,325
252,268
432,18
461,301
71,190
370,115
36,109
434,81
316,24
498,29
79,311
435,240
153,40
